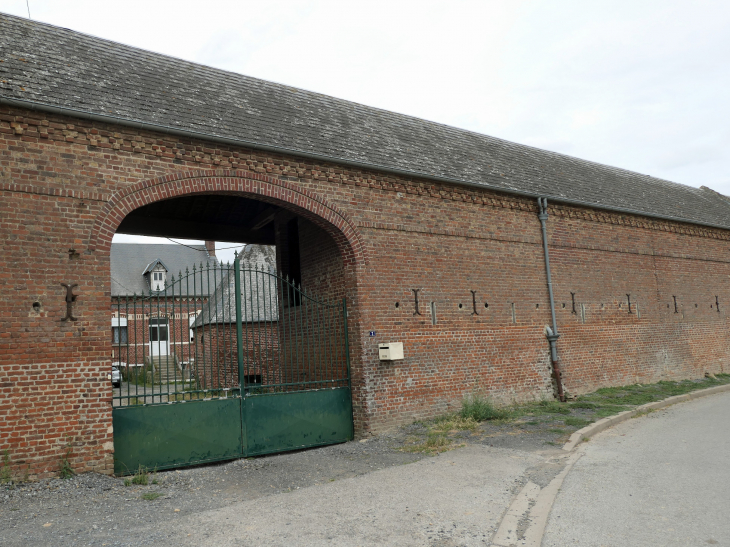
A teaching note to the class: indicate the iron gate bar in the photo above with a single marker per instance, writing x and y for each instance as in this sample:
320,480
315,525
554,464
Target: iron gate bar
287,374
239,345
347,343
249,339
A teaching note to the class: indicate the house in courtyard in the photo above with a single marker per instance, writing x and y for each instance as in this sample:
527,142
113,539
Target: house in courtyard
154,299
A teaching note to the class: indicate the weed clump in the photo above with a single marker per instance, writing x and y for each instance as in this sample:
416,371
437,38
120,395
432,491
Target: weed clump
435,443
576,422
479,409
436,440
141,476
5,474
151,496
65,471
454,422
551,407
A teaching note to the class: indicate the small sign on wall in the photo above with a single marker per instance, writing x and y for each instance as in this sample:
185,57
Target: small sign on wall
392,351
372,333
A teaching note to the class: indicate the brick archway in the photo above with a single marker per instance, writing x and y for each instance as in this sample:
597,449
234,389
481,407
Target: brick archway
262,187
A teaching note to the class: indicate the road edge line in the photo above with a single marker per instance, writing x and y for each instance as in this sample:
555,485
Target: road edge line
507,532
540,512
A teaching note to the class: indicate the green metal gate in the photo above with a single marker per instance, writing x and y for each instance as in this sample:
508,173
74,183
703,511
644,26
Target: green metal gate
227,361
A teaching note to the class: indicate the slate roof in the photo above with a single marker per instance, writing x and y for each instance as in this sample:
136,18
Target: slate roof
60,68
129,261
259,302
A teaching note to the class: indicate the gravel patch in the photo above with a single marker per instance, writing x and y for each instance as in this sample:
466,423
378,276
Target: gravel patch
94,509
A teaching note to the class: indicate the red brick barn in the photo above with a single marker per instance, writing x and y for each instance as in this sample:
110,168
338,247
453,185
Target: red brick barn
433,236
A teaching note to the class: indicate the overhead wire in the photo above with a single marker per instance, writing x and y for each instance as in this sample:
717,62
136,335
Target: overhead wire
203,250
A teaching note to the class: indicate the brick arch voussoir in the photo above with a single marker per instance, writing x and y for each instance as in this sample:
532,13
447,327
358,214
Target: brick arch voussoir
263,187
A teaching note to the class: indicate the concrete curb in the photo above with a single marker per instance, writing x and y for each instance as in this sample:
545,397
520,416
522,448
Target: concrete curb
544,504
596,427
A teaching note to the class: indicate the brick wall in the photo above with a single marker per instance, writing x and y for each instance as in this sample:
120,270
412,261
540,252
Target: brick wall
216,350
66,184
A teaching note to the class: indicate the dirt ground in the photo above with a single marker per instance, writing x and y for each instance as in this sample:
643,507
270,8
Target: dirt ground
94,509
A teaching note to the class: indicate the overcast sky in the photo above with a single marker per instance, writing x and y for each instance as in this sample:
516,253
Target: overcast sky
638,84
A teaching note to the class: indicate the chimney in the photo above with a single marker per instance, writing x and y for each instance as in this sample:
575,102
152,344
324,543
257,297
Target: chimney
210,247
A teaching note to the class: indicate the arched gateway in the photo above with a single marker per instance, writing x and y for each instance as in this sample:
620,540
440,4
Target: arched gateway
226,360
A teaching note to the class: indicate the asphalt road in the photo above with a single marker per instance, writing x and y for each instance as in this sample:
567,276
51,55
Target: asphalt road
662,479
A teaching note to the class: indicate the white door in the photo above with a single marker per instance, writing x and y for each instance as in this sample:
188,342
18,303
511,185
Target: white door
159,343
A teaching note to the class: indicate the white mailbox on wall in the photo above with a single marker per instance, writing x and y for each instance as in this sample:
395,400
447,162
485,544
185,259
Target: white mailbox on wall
391,351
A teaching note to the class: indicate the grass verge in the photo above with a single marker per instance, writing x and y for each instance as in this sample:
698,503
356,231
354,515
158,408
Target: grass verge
609,401
551,417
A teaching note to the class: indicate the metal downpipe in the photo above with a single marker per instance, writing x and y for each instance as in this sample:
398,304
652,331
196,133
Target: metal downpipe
552,332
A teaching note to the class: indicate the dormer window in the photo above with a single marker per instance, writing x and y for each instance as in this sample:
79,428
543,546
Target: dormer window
158,281
156,275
